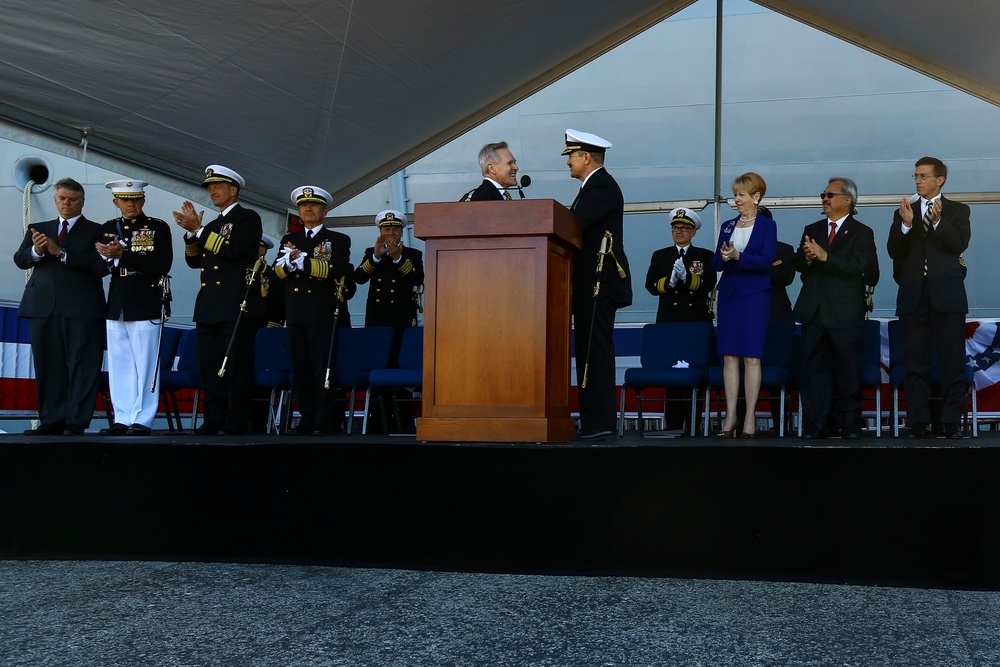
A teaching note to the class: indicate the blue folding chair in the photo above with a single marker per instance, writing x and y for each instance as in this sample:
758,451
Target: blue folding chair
776,371
409,376
359,352
169,341
184,375
273,371
665,348
871,368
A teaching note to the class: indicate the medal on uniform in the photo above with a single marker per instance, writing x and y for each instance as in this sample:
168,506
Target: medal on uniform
142,240
323,251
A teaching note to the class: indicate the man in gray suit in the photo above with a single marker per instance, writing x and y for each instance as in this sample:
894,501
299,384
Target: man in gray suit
64,299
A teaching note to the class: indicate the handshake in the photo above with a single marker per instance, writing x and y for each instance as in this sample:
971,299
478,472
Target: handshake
679,273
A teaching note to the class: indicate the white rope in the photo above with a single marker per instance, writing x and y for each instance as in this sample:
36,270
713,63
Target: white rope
26,216
25,221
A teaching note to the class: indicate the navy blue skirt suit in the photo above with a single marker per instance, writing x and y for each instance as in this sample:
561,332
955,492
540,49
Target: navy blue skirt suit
744,290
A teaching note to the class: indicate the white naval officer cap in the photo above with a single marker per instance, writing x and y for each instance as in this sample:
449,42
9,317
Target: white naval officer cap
306,194
268,241
216,173
390,218
685,216
585,141
127,189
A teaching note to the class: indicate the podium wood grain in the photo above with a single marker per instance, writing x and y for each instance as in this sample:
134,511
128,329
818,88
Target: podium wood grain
496,320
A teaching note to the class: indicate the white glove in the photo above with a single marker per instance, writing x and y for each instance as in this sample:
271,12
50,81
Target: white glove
299,262
283,260
679,272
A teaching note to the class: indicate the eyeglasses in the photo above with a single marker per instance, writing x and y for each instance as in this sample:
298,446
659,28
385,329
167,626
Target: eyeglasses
923,177
831,195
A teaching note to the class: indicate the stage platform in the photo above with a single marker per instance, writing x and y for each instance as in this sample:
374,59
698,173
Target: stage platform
875,511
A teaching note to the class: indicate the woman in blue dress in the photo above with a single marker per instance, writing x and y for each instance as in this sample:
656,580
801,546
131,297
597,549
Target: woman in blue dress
744,255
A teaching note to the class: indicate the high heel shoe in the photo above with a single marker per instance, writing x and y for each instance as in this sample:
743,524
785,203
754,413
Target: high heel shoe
731,433
750,436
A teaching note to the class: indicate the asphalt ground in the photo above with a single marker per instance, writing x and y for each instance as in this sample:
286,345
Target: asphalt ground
78,613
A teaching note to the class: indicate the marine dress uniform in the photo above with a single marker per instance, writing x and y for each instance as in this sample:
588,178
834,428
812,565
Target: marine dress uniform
136,304
311,294
224,251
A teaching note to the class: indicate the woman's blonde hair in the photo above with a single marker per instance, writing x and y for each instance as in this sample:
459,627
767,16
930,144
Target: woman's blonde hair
750,183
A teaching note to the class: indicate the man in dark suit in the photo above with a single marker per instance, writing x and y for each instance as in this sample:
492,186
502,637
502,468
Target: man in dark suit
926,243
225,251
600,208
837,259
681,276
139,254
313,263
64,301
499,173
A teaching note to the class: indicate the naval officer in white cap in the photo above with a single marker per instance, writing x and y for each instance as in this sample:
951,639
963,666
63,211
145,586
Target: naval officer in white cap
139,254
223,251
600,208
681,274
311,262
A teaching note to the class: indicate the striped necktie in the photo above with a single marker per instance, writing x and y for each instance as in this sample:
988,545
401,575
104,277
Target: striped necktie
506,195
927,229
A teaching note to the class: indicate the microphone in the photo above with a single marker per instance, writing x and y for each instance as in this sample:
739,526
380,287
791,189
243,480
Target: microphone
525,182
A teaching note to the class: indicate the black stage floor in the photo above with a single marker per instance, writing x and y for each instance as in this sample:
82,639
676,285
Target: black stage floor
876,511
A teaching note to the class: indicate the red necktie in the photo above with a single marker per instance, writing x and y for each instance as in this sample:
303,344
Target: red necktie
833,232
62,233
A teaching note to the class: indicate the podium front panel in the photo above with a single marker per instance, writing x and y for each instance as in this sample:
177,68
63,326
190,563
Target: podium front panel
496,322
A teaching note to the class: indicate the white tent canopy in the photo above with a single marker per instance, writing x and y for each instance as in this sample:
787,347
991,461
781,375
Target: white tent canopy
345,93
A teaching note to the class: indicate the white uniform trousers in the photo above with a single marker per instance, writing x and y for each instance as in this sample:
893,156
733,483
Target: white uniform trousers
131,363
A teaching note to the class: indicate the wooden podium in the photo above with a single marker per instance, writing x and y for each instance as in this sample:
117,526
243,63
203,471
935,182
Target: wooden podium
496,320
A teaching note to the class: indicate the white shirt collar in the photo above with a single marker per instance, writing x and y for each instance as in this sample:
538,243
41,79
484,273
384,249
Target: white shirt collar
591,174
838,222
229,208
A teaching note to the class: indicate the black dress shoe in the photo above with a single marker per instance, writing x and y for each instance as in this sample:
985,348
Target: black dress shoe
301,429
952,432
918,432
814,434
205,429
232,430
74,429
56,428
850,433
139,429
593,435
114,429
